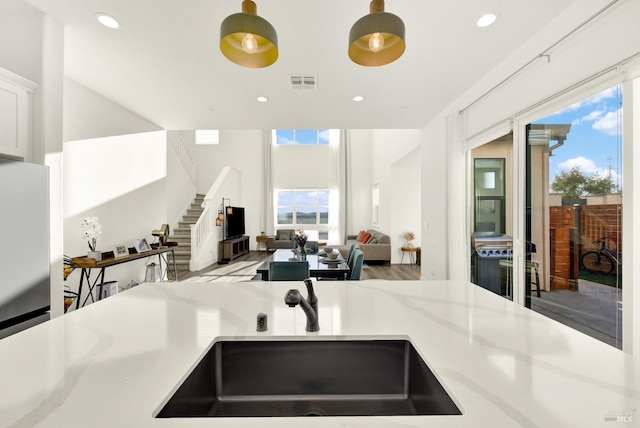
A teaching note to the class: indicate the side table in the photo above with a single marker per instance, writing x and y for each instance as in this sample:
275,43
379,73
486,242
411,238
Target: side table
261,239
412,254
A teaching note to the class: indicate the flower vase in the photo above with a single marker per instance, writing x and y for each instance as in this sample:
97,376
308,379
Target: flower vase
303,253
95,255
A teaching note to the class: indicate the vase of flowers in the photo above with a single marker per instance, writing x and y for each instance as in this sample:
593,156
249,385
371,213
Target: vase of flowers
409,236
91,231
301,239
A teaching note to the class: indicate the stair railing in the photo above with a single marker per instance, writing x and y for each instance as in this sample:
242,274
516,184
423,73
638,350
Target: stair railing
201,231
177,142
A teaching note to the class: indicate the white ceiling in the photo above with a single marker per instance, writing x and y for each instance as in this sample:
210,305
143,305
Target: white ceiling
165,64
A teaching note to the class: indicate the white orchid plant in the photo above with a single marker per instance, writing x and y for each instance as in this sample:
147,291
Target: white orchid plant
92,229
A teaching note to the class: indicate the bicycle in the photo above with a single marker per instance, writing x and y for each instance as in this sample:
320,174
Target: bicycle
603,260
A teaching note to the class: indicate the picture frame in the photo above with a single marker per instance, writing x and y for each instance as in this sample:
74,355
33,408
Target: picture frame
120,250
141,245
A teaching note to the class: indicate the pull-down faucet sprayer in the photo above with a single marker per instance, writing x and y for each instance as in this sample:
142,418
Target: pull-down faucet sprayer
308,305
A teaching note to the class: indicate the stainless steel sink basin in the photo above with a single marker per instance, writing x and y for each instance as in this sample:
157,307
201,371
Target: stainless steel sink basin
310,378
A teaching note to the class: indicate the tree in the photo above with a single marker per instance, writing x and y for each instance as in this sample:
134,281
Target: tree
574,184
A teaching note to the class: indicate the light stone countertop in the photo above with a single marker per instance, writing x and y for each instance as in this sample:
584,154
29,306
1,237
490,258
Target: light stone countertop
114,363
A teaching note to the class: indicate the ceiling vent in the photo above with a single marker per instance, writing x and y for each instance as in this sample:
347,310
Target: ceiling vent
302,82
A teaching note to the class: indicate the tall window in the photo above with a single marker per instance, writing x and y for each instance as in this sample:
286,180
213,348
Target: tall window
302,136
573,216
306,209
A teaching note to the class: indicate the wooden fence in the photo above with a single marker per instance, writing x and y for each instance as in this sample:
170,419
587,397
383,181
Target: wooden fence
573,230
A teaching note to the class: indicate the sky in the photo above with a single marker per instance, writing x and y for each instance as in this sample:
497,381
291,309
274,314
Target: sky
594,142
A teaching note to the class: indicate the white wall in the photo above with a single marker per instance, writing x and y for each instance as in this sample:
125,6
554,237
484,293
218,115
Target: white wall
405,203
21,34
128,193
388,147
435,199
90,115
302,166
242,150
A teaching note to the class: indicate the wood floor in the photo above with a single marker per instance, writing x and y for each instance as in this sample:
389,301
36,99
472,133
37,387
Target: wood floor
370,271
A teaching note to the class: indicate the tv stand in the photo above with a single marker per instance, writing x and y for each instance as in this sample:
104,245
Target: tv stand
233,248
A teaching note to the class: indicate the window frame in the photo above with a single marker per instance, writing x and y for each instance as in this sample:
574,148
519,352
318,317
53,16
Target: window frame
319,226
319,141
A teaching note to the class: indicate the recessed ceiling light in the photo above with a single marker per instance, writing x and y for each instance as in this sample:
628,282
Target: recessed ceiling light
262,99
358,98
107,20
486,20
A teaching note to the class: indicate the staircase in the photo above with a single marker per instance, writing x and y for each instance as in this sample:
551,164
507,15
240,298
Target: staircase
182,234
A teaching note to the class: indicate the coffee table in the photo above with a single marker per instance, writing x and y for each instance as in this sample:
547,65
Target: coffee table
316,267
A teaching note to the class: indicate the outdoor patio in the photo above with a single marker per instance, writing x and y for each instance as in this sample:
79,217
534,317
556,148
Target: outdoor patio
593,310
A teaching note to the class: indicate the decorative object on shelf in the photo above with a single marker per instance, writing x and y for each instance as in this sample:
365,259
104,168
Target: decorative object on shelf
120,251
378,38
162,234
92,229
141,245
301,239
409,236
247,39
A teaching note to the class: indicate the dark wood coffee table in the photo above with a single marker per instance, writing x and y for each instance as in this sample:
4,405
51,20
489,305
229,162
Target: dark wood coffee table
316,267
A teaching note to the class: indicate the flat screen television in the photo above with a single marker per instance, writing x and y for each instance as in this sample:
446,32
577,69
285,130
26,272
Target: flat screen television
235,222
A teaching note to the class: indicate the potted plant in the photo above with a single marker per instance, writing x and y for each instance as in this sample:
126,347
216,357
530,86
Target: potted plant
409,236
92,229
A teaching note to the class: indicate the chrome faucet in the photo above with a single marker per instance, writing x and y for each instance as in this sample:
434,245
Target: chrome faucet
308,305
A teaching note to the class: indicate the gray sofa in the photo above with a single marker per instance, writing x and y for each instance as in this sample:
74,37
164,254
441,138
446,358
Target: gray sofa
282,239
377,248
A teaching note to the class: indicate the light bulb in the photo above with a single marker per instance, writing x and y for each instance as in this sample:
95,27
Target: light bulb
376,42
249,44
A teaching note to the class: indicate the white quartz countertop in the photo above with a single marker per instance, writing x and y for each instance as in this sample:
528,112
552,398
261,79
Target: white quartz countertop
115,362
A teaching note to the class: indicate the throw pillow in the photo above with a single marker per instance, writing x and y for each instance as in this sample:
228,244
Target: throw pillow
284,235
361,235
366,237
372,241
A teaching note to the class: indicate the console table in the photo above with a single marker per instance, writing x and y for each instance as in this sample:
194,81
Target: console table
108,259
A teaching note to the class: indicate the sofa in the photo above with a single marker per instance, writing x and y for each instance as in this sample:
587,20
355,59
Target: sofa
283,238
376,248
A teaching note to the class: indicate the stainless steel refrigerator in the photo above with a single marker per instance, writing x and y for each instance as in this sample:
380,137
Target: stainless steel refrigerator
24,246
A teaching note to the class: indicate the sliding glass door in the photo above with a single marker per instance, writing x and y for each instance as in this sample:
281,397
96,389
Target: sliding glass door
573,216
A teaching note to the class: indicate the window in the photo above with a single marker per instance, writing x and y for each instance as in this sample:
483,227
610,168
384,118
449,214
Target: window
302,136
306,209
489,189
573,216
207,136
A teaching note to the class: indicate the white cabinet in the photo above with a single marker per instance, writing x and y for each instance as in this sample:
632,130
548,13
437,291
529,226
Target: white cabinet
15,114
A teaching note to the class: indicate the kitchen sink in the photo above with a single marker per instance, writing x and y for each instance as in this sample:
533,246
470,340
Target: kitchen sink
310,378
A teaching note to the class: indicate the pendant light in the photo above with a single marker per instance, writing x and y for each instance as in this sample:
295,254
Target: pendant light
247,39
378,38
